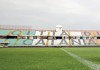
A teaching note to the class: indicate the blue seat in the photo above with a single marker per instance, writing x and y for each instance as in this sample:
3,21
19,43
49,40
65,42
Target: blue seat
24,42
5,32
11,42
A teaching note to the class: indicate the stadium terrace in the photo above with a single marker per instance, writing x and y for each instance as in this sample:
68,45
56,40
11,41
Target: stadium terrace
57,37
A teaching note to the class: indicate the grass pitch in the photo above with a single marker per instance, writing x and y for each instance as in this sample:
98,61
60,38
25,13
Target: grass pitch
91,54
46,58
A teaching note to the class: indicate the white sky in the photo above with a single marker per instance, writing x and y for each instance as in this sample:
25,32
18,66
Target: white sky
46,14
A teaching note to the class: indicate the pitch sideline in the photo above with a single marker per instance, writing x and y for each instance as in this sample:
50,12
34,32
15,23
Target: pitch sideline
84,61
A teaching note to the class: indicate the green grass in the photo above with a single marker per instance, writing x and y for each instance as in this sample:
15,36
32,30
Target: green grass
44,58
91,54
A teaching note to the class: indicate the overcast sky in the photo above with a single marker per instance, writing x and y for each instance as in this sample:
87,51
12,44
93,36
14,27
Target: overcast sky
46,14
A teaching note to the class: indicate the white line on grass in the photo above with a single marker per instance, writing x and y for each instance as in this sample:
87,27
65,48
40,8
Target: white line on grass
84,61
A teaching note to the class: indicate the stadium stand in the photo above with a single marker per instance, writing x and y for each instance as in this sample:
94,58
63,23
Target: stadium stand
58,37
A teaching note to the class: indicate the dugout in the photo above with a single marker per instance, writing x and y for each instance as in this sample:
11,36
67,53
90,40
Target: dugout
4,44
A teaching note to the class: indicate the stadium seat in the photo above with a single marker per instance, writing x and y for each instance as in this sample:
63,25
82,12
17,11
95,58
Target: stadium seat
31,33
5,32
2,40
24,42
11,42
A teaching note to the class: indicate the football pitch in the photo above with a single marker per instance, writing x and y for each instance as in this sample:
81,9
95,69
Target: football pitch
50,58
